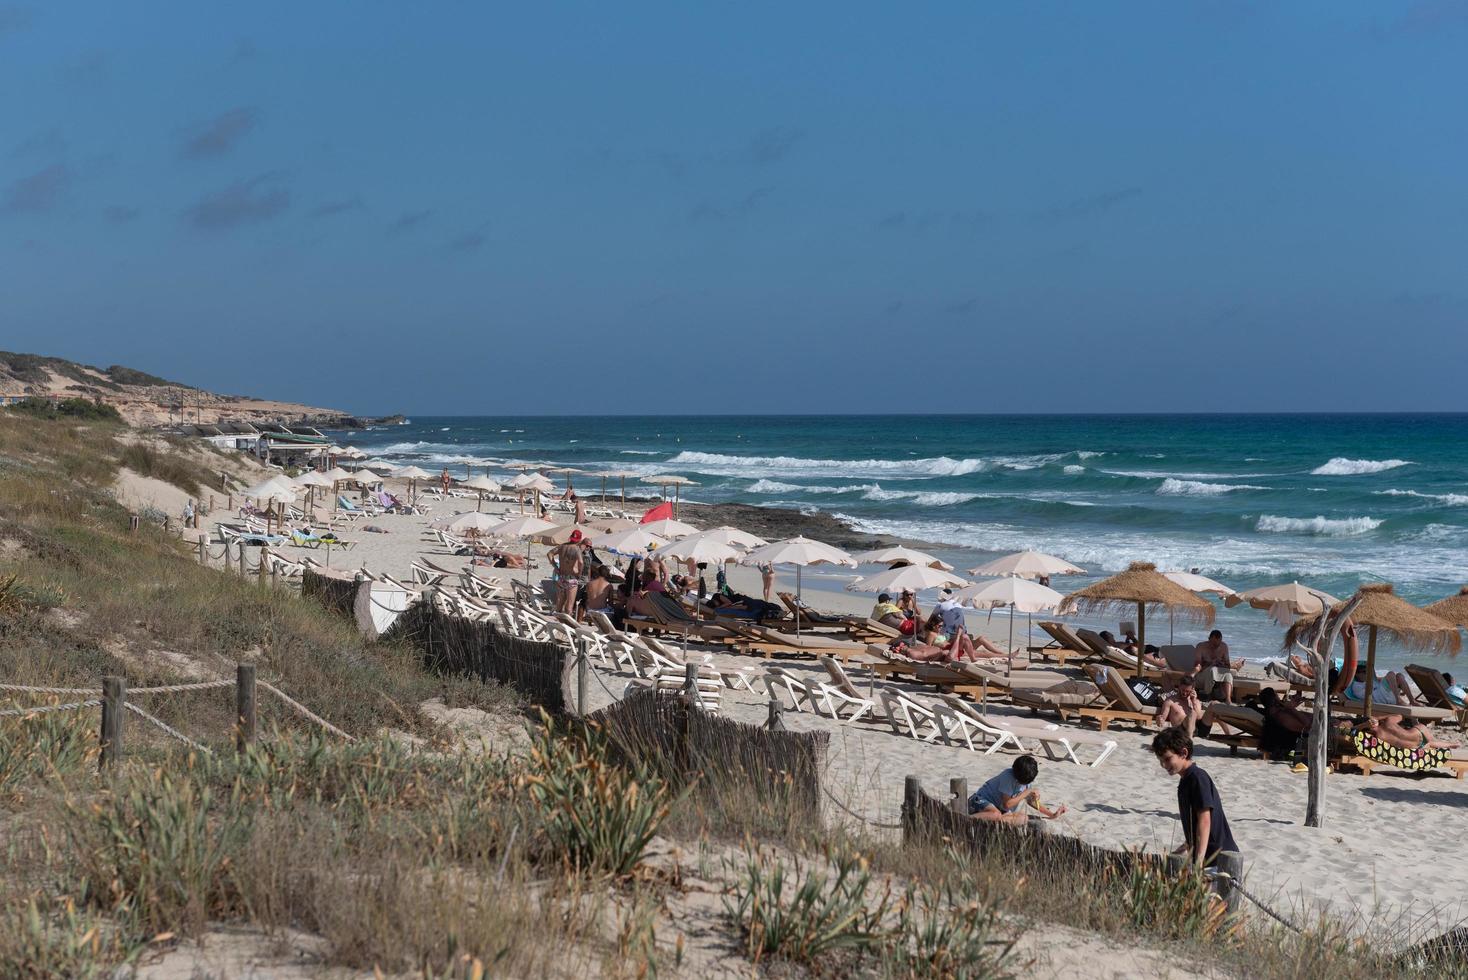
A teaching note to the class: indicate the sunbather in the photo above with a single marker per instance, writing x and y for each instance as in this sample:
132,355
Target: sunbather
999,799
1213,669
1181,707
1390,688
1404,733
1284,723
887,612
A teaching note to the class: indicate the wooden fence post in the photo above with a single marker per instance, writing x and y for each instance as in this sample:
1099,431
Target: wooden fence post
912,794
690,684
959,788
581,677
773,722
203,550
114,695
244,705
264,557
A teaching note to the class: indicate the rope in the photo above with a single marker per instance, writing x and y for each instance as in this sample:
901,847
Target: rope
301,708
167,728
873,823
1238,886
23,712
48,690
176,688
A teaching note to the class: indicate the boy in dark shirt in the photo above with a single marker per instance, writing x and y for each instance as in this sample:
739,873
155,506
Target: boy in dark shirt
1205,827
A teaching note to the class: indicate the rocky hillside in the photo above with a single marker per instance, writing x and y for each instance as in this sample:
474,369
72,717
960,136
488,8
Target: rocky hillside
143,399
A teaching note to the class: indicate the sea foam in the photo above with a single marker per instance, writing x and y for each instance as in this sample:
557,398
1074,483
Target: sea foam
1340,466
1338,527
1448,499
1192,488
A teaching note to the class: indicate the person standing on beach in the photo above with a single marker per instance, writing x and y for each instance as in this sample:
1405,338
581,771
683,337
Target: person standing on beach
580,510
767,576
444,479
569,562
1206,834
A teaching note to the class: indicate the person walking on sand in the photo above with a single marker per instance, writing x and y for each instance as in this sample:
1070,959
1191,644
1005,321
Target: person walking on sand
1206,834
580,510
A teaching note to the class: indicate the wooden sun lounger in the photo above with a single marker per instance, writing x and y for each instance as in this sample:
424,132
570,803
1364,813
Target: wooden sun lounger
1434,688
1064,644
762,639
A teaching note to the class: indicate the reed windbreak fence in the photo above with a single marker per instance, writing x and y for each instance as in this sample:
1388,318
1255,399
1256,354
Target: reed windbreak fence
455,645
728,766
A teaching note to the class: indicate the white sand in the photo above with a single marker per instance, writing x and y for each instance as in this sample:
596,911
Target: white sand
1390,844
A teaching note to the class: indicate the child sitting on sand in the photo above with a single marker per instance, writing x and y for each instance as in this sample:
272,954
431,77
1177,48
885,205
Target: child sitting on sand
999,799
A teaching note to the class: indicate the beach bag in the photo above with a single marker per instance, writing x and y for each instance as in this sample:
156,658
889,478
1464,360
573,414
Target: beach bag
1147,692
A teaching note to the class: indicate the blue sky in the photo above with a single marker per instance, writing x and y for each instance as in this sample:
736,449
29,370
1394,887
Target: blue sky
473,208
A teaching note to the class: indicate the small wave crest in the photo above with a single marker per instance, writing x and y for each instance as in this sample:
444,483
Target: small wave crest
1172,487
719,463
1448,499
1340,466
775,486
1074,470
634,452
1335,527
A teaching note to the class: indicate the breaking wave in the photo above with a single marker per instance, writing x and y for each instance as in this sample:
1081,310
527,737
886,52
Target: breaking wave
1192,488
1326,526
1340,466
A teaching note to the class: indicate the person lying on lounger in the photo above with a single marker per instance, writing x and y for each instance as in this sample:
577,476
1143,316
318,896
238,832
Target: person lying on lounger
999,799
1151,656
1404,733
1284,723
1390,688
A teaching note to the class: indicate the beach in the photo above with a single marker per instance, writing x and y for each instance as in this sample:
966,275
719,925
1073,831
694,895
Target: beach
1387,858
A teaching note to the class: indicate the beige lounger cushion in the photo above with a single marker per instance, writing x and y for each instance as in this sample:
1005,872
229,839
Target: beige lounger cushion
1066,694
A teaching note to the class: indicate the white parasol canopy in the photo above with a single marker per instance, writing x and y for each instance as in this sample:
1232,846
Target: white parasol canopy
669,528
1018,594
314,478
1027,564
889,556
481,482
1194,582
474,522
798,551
276,484
912,577
725,534
412,473
632,542
1286,602
700,549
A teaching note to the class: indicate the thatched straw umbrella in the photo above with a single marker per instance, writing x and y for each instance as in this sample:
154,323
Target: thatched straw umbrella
1381,609
1145,587
1454,608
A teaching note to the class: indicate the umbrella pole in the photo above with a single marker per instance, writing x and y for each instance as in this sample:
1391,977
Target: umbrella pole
1370,669
1141,634
799,605
624,496
1010,669
1171,621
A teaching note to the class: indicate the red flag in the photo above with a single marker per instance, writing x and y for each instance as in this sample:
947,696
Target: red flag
658,513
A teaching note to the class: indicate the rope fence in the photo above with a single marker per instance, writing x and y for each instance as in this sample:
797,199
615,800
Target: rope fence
115,703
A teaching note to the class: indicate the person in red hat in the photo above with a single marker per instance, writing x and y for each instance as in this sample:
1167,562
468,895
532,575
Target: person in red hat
569,564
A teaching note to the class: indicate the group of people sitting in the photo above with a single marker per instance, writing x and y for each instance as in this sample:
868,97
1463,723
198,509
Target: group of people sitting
941,636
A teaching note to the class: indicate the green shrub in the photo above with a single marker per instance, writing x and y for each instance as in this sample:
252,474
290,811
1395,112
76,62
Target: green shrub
805,915
946,935
44,746
41,943
596,816
1176,905
168,467
83,409
151,850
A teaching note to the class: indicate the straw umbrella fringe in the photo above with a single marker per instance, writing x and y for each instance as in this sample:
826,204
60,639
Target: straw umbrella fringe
1143,587
1381,610
1454,608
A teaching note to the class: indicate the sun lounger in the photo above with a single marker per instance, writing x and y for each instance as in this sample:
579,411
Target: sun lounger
1057,743
1418,712
840,694
1065,698
1063,645
1434,687
754,638
779,681
982,680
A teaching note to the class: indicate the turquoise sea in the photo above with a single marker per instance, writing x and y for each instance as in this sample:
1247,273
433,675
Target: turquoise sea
1329,500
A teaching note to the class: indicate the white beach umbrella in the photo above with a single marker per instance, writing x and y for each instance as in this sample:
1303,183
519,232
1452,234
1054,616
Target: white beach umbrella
1193,582
525,526
351,452
280,483
474,522
482,484
699,549
798,551
606,525
1016,593
631,543
1286,602
890,556
915,578
615,475
380,465
412,473
670,528
313,478
731,535
666,480
338,475
1027,564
